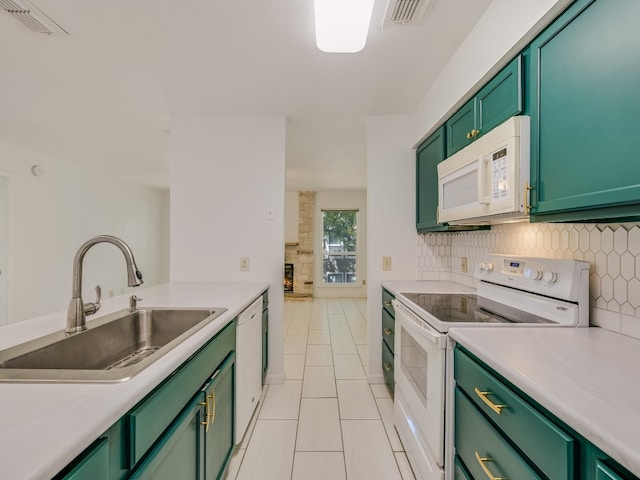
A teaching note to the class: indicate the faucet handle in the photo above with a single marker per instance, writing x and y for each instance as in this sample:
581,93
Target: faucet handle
133,302
91,308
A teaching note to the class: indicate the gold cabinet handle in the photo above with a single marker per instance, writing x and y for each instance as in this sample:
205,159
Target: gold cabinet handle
205,422
527,204
482,461
473,134
387,331
387,367
212,414
493,406
388,304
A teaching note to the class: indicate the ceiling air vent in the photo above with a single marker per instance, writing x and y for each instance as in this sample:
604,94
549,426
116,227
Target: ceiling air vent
31,16
405,12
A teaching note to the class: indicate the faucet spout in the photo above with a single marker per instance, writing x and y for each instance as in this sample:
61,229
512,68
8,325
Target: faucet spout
76,316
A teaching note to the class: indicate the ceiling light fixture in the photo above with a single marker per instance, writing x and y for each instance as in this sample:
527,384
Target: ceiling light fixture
342,26
31,16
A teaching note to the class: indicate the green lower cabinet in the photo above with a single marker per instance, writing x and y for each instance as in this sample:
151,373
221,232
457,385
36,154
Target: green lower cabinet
182,429
388,338
605,473
388,367
92,464
459,470
265,338
501,432
199,442
599,466
585,104
218,438
177,454
481,447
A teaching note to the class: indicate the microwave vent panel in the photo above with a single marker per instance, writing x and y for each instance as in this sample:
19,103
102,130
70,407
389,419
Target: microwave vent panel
405,12
31,16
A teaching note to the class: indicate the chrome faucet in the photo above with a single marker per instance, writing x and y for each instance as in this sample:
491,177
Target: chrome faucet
76,314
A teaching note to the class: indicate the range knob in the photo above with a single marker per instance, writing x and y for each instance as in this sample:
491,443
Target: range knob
532,273
488,267
550,277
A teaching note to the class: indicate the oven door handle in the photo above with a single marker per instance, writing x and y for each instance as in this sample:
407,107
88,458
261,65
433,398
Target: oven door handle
418,325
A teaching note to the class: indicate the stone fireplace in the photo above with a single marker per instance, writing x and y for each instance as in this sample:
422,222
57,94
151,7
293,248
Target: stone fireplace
300,253
288,278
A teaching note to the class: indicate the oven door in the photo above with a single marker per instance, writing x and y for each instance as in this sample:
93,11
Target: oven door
419,392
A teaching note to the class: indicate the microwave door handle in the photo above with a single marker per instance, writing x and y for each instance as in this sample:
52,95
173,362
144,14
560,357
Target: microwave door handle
484,196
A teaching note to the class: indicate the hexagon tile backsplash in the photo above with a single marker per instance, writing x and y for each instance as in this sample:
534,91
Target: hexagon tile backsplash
613,250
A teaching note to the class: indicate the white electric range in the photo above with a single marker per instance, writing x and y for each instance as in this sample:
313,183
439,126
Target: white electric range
512,291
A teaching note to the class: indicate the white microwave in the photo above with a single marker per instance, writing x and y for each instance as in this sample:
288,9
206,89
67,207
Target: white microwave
487,182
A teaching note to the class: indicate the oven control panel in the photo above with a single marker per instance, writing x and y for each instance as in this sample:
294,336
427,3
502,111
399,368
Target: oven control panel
555,277
513,267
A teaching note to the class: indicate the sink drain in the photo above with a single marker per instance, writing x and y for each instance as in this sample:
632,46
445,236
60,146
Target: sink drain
135,357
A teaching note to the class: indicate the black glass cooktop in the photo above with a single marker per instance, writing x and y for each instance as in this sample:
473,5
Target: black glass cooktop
448,307
465,308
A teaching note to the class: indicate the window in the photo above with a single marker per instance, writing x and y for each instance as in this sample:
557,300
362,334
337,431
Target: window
339,246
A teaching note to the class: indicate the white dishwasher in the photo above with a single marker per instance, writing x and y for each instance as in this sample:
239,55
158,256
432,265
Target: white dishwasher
248,366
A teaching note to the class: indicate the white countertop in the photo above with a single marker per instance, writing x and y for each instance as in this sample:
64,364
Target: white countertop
587,377
45,426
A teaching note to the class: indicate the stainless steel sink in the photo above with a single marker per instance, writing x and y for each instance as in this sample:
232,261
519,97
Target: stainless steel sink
113,349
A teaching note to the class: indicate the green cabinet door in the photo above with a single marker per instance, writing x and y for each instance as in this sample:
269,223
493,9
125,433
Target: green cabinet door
218,442
265,343
584,75
501,98
460,126
605,473
429,154
92,464
496,102
178,453
388,367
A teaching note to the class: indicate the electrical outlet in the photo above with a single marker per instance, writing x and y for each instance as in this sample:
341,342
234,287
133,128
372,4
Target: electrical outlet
464,267
386,264
244,264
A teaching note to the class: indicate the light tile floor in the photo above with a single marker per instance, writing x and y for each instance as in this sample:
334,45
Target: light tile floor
325,421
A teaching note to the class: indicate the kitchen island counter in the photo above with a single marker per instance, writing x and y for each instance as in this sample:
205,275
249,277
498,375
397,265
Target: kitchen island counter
44,426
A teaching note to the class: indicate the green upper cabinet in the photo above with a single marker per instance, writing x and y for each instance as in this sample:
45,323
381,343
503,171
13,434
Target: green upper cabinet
498,100
460,127
428,155
501,98
584,78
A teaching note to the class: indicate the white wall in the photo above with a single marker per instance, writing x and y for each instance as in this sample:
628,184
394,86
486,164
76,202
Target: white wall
341,200
226,174
506,27
53,214
391,229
